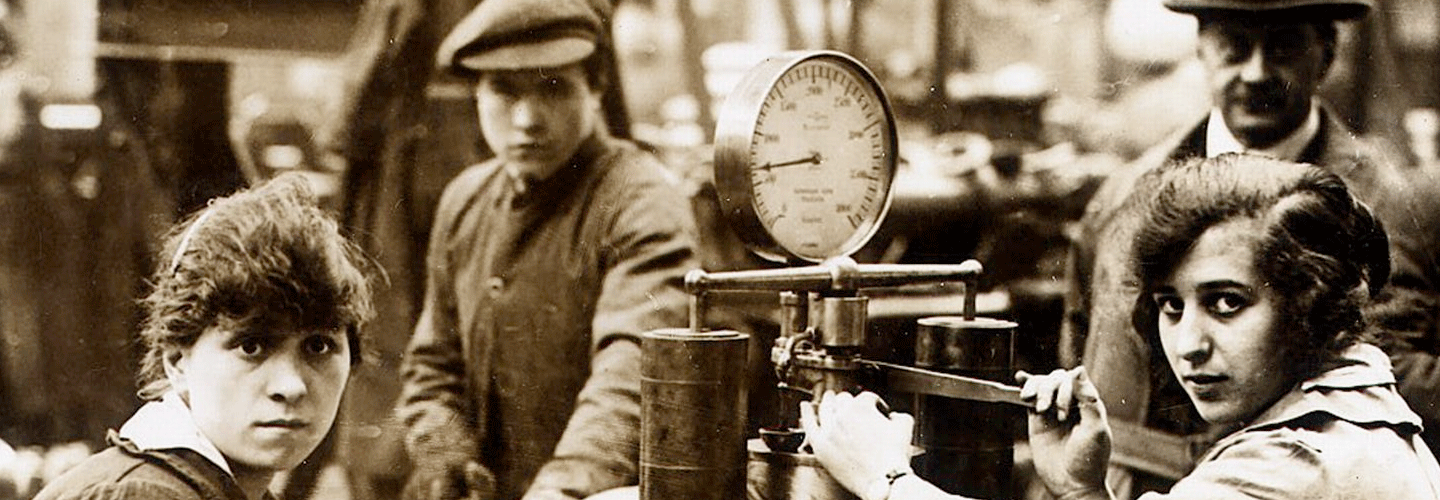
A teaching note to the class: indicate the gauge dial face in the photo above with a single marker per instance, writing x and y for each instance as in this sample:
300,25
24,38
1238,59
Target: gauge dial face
819,159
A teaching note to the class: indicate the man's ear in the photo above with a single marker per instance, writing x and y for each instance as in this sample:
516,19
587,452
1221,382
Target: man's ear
176,365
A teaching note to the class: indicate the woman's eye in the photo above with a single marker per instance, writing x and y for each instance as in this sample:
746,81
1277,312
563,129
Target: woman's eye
1169,305
1227,304
320,345
251,347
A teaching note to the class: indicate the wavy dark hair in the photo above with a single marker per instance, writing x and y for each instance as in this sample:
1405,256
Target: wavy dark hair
1323,251
263,256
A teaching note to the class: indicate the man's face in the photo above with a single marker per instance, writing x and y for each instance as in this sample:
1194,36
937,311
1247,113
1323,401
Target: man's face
535,119
1262,75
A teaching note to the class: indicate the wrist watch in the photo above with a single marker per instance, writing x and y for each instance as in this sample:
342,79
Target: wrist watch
880,488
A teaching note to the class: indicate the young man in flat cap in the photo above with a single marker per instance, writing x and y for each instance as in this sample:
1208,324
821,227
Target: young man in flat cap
1264,61
546,264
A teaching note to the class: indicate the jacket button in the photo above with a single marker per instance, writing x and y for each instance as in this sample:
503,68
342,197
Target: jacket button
496,285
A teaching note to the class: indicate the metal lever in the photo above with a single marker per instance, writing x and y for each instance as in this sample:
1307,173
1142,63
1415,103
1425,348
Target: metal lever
837,274
841,275
921,381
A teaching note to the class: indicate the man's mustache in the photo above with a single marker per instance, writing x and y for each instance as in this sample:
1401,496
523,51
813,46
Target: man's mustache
1257,96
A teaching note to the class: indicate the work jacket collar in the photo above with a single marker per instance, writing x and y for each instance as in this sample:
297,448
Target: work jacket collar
168,425
1359,388
566,178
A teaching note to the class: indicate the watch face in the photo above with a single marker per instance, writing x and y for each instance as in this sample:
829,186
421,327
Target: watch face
820,157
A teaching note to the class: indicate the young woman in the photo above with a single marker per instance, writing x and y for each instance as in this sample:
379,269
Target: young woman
251,331
1253,274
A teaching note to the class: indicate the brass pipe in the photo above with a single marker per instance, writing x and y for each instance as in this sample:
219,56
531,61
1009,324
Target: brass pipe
699,304
794,317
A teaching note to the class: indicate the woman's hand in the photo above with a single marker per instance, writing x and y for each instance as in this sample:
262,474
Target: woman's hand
856,443
1069,437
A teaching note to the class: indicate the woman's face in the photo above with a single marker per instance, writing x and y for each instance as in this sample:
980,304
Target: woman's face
264,397
1220,326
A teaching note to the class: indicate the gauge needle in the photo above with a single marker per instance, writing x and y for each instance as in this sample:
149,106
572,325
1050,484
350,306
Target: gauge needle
813,158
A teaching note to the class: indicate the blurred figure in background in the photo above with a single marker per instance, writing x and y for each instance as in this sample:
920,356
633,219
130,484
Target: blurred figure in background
545,265
407,128
80,210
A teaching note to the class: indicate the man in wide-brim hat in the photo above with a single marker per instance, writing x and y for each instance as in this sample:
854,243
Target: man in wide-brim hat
1264,61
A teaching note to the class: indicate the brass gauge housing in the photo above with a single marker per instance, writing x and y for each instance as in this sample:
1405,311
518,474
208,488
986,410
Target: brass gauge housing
805,154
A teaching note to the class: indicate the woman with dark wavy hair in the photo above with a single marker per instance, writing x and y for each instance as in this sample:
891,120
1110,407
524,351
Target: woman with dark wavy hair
252,327
1253,275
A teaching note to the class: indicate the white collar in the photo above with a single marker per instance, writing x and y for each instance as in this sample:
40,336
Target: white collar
167,425
518,179
1360,389
1219,140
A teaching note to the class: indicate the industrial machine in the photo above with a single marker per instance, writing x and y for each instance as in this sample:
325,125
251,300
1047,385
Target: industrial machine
805,156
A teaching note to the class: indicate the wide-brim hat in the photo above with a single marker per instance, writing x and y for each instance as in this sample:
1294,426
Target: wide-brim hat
518,34
1337,10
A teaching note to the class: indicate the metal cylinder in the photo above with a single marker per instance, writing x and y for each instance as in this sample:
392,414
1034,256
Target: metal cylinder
969,445
794,313
842,322
819,372
692,414
775,475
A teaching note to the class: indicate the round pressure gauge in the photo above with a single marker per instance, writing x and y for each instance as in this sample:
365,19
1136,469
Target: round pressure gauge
805,154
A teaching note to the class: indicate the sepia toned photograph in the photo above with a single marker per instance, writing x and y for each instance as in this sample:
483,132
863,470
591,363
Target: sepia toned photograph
719,249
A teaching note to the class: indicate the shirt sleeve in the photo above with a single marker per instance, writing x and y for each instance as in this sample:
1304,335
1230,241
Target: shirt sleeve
649,250
600,448
433,403
1266,467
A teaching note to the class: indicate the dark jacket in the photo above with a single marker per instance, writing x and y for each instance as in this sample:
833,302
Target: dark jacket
1408,316
123,472
527,351
1103,287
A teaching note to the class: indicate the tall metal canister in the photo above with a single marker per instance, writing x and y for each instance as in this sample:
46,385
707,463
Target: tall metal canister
968,445
692,415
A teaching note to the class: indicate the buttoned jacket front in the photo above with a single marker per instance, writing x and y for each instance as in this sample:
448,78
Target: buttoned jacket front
527,354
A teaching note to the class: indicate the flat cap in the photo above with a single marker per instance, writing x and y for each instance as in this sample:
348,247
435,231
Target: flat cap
1294,9
517,34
